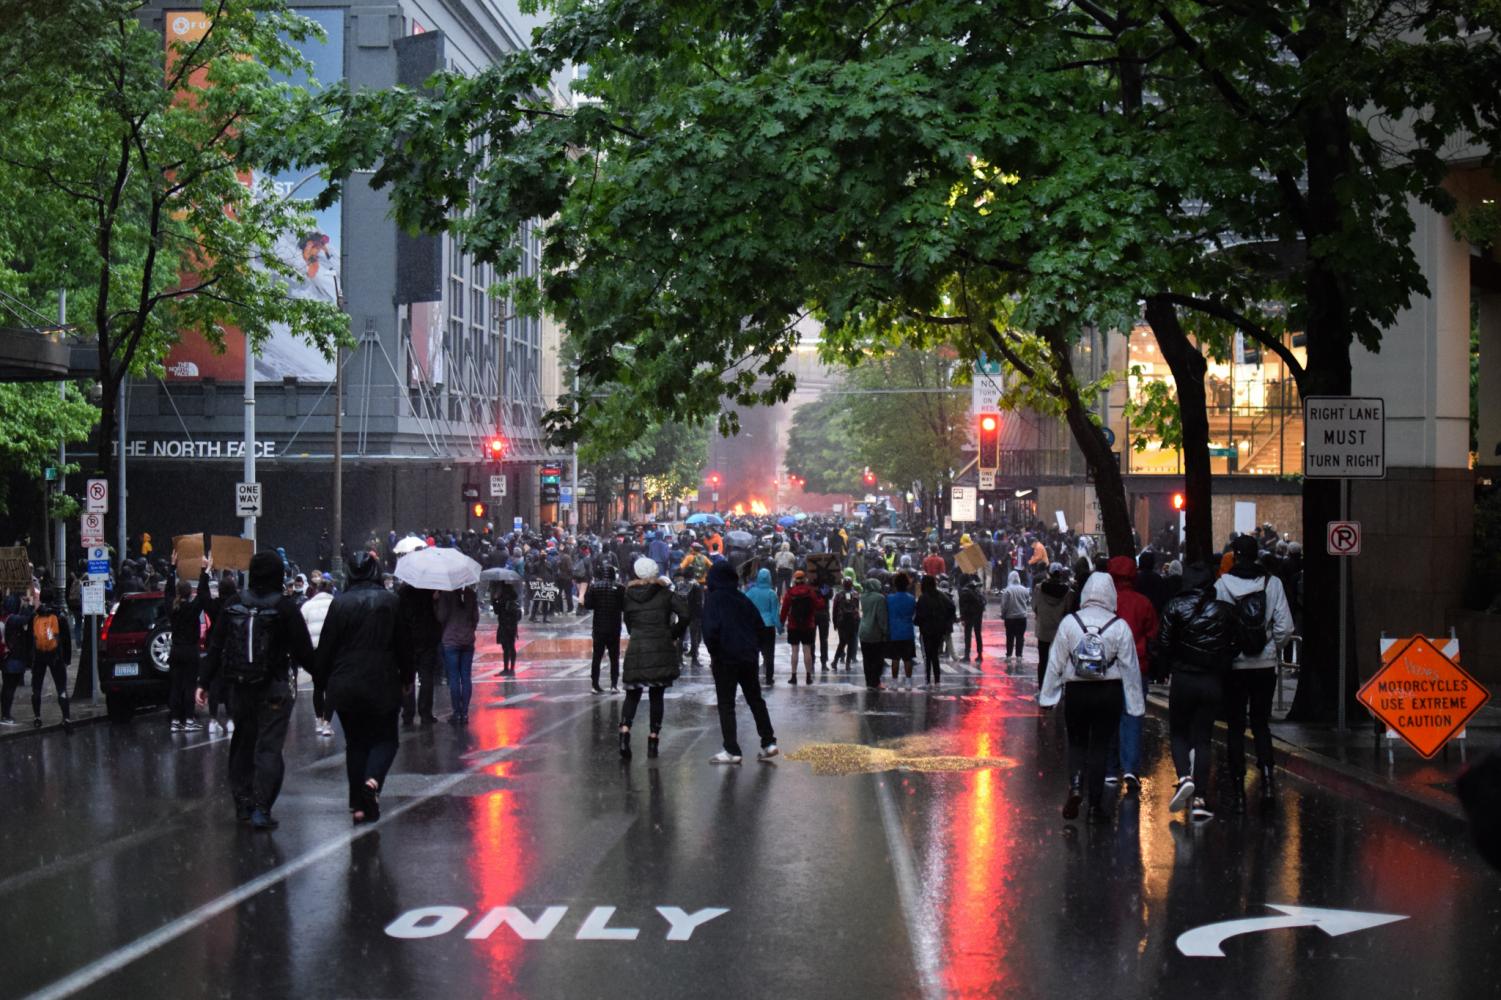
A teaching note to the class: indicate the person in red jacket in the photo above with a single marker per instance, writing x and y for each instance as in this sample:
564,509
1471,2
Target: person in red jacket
801,606
1135,609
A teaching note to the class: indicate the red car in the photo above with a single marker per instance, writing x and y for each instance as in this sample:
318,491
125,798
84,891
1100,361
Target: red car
134,644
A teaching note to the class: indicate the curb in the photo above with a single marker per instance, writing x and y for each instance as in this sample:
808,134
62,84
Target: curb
1430,808
23,730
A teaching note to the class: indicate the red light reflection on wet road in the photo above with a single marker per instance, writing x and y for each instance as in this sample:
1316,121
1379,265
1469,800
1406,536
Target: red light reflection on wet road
496,859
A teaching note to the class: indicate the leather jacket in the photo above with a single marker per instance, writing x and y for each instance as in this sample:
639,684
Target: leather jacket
1198,632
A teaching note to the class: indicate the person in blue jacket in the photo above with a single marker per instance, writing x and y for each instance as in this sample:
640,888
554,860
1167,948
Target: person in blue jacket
763,595
732,627
901,606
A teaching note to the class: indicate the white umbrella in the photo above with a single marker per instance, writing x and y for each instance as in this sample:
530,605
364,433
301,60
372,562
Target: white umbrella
438,569
410,543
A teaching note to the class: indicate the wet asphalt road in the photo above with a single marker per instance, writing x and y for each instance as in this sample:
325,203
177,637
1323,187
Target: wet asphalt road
122,873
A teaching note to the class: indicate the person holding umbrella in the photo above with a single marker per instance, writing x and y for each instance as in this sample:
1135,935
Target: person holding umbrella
454,576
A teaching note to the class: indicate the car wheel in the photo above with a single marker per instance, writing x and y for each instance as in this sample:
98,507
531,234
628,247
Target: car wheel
119,708
159,646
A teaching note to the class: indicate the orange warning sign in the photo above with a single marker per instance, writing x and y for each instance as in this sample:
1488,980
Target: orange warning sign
1422,695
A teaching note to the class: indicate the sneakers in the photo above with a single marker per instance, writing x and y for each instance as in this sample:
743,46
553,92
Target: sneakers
325,727
192,726
229,727
725,757
260,819
176,726
8,721
1112,779
1132,783
1183,794
768,752
1201,810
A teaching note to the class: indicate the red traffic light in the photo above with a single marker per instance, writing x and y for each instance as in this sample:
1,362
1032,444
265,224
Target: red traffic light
495,448
713,479
870,478
988,422
1177,501
989,440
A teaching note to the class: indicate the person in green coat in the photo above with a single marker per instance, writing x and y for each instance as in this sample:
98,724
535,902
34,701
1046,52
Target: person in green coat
873,632
656,618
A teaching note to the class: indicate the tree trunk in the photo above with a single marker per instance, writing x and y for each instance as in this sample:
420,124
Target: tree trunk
1110,488
1188,367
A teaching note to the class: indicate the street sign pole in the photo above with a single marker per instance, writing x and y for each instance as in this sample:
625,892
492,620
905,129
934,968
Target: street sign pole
249,531
1344,604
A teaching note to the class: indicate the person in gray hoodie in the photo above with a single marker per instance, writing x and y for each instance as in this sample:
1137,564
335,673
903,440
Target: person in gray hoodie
1092,651
1265,624
1016,601
1050,602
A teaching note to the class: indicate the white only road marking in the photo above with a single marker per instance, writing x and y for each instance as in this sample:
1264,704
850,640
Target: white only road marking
921,923
142,946
1204,942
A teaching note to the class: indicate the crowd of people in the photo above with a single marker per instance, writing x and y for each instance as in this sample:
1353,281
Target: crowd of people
372,646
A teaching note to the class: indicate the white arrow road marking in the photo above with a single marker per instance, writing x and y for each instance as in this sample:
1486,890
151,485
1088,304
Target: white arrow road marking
1204,942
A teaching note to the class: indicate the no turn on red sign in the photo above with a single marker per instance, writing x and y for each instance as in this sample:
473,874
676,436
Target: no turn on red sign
1343,538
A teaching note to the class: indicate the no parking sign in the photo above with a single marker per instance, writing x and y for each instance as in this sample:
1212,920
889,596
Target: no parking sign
1342,538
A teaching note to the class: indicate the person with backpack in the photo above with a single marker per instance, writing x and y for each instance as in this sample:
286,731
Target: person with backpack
1264,623
874,636
1050,600
606,598
901,608
252,645
365,661
732,632
51,653
507,607
800,606
846,620
1196,644
1016,601
1137,612
692,592
972,614
184,609
934,616
15,653
764,596
1092,653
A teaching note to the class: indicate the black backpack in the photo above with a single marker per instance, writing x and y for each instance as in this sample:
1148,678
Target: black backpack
249,643
1250,622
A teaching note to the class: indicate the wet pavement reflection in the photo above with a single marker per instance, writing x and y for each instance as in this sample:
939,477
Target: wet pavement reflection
909,844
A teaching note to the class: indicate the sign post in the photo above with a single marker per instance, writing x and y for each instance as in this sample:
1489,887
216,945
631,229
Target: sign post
1344,438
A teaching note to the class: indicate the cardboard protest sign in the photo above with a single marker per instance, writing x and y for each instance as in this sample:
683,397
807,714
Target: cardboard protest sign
971,558
189,552
15,569
232,552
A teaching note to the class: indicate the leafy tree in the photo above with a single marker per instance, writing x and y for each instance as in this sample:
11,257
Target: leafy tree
123,180
667,457
822,447
36,419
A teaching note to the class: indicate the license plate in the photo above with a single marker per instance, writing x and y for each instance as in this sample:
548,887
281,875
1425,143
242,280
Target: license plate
127,669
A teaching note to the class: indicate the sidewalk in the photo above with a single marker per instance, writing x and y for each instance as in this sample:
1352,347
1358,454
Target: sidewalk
83,711
1363,764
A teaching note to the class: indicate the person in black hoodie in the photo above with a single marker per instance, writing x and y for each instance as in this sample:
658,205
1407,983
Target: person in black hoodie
365,658
934,618
1197,644
972,613
51,652
606,599
507,609
183,608
261,694
732,633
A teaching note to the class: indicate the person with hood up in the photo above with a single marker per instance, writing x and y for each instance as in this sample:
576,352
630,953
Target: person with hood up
785,563
799,613
458,612
1050,600
366,663
934,616
732,626
51,653
901,607
655,618
1196,645
1137,612
1264,624
606,599
1092,653
764,596
255,640
846,619
873,634
1016,601
507,607
972,614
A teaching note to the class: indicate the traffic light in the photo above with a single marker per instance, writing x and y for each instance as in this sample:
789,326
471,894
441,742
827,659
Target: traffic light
990,442
714,480
1178,501
479,510
869,477
495,448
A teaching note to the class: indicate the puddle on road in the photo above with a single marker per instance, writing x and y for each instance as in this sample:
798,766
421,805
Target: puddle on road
910,753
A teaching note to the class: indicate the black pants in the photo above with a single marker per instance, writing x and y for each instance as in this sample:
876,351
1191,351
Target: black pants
1043,648
932,651
43,664
260,715
1016,636
1245,689
768,651
973,628
507,652
418,701
218,696
633,698
872,654
370,740
602,645
1193,703
182,679
728,677
1092,713
693,638
784,581
847,642
823,640
8,685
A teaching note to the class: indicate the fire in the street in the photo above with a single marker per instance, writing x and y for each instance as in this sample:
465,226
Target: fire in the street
758,508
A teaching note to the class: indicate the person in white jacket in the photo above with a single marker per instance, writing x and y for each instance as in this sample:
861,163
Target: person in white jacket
314,611
1263,610
1092,651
